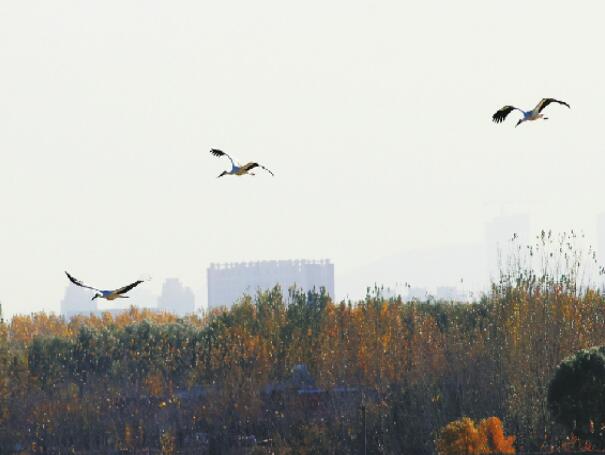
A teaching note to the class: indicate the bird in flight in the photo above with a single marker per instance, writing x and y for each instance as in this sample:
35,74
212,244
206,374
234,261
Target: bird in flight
534,114
236,167
104,294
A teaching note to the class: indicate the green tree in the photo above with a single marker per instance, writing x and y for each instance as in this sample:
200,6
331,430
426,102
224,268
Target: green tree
576,393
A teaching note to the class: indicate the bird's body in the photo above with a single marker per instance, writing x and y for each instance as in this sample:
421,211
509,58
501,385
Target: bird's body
236,167
534,114
112,295
106,294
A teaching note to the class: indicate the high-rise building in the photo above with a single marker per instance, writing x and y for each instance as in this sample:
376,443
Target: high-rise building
499,234
176,298
601,239
417,293
451,293
228,282
77,300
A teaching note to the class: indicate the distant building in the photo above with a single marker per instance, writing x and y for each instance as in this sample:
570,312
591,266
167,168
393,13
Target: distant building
417,293
301,398
499,235
601,239
228,282
71,306
176,298
451,293
391,292
76,301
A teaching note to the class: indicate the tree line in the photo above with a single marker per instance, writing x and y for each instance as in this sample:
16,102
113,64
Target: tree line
386,374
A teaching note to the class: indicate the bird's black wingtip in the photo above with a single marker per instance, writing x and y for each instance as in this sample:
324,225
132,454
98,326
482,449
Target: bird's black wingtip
217,152
70,278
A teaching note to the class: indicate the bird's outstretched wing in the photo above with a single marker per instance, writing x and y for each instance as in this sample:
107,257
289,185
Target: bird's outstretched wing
79,283
267,170
502,113
217,152
250,166
546,101
127,288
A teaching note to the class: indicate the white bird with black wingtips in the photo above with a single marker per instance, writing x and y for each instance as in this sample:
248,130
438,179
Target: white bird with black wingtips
104,294
534,114
236,167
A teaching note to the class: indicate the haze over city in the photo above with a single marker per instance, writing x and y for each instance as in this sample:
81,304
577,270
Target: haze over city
380,145
428,175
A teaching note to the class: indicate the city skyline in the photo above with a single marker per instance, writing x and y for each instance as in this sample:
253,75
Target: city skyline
379,132
229,281
432,272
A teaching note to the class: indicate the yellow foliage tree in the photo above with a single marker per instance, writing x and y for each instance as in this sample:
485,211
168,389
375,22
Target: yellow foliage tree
460,437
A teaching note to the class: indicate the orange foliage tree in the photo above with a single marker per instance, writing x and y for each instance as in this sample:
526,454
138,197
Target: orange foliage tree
464,437
493,436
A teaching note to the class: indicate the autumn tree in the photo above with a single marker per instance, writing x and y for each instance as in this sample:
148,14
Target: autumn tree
460,437
494,440
464,437
229,372
4,381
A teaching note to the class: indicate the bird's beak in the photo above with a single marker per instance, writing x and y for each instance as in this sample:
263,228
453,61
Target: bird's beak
222,173
518,123
95,296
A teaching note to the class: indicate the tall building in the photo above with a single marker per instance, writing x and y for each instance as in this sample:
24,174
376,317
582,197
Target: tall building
176,298
417,293
77,300
228,282
499,235
451,294
601,238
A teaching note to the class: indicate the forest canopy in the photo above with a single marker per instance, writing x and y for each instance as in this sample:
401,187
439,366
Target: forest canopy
298,371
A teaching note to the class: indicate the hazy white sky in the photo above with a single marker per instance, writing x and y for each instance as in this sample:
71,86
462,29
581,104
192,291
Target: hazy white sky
374,116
